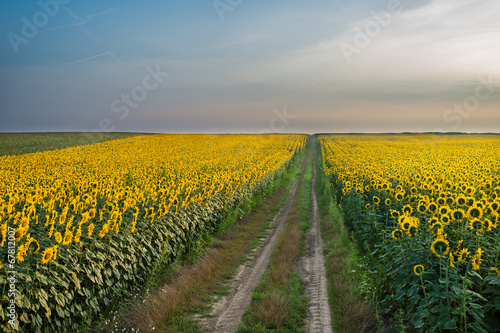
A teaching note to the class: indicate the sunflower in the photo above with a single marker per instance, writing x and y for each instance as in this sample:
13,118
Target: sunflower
376,200
407,209
459,247
18,234
440,246
493,269
436,227
458,214
394,214
461,200
3,232
400,196
104,230
68,236
441,201
388,201
477,259
474,212
470,201
463,254
90,229
58,237
476,224
418,269
433,220
47,255
444,210
397,233
445,219
452,260
432,207
20,253
412,230
367,206
422,207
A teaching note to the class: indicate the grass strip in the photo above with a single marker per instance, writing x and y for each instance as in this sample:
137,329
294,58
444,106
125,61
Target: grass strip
348,284
278,303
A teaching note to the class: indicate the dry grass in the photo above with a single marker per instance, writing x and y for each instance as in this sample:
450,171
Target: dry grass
189,283
272,310
286,253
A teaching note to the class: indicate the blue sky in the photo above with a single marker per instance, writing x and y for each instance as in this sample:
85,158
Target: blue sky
250,66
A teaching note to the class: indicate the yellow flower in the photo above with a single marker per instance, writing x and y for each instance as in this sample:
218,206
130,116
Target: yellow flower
90,229
104,230
475,212
440,246
58,237
3,232
463,255
19,233
476,224
20,253
397,234
68,236
477,259
47,255
452,260
418,269
494,269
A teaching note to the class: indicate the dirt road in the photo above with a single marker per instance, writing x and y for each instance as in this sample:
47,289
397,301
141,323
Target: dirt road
227,313
318,316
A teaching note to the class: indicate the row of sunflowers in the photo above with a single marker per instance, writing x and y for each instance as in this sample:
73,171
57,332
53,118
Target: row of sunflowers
79,226
424,210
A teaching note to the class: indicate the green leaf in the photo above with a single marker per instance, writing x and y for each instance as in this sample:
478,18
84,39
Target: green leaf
451,325
497,303
60,312
60,299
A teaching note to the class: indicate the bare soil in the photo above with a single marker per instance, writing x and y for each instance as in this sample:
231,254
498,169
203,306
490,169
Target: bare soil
314,272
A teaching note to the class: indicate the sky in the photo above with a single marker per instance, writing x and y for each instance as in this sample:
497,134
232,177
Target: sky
250,66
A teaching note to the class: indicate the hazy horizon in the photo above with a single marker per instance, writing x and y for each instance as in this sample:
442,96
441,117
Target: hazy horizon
250,66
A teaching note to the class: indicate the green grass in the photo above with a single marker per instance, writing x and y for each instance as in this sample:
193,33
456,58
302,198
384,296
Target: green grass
24,143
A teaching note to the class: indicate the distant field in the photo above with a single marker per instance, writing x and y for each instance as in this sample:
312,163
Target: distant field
23,143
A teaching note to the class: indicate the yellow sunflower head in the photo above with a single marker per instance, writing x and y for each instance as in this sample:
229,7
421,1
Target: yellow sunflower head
418,269
397,233
58,237
440,246
463,254
47,255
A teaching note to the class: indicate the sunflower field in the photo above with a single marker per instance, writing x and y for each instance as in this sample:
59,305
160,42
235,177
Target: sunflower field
81,225
424,210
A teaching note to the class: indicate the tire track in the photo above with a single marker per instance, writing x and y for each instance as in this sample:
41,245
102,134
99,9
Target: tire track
318,316
227,313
